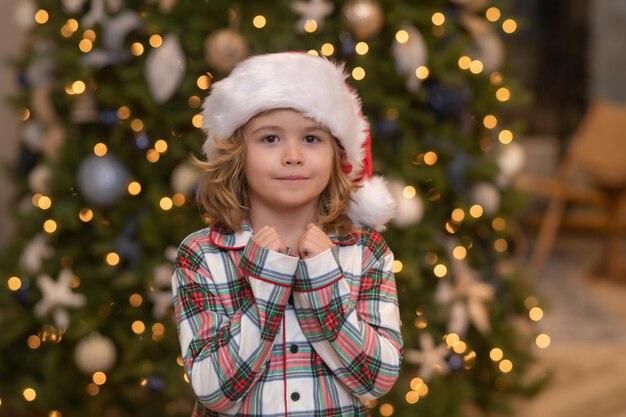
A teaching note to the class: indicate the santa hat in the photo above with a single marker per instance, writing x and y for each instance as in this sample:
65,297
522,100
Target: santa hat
315,87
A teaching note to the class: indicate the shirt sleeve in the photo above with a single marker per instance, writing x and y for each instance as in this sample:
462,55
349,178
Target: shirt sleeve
225,353
359,341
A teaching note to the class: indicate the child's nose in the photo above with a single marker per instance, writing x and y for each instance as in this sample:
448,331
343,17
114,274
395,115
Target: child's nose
293,154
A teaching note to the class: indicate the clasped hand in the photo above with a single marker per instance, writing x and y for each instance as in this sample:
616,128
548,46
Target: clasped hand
312,242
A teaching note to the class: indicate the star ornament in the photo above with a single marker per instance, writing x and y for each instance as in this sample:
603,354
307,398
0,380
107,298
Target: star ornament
316,10
431,357
57,296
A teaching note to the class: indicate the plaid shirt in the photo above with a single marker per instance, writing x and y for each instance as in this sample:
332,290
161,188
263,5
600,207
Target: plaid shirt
252,348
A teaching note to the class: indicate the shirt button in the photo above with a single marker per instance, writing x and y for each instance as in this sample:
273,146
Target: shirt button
293,348
295,396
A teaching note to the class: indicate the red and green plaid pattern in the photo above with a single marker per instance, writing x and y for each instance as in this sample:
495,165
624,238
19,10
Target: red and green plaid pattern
247,352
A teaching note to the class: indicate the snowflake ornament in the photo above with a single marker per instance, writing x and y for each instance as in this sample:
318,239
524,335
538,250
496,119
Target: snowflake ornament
431,357
316,10
56,296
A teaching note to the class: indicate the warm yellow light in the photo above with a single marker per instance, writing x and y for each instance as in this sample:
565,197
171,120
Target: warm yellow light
506,366
185,378
194,102
543,340
313,52
90,35
498,224
135,300
156,41
310,25
160,146
29,394
259,21
496,354
392,114
85,215
440,270
50,226
78,87
493,14
358,73
362,48
431,258
197,120
112,258
179,360
500,245
55,413
438,19
166,203
402,36
530,302
505,137
136,125
73,24
457,215
452,339
41,16
460,347
509,26
123,113
397,266
503,94
158,329
535,314
134,188
490,121
409,192
422,72
66,31
45,202
495,78
203,82
14,283
430,158
459,252
99,378
136,49
412,397
328,49
464,62
100,149
386,410
152,155
143,382
33,341
85,45
138,327
92,389
179,199
476,211
476,67
25,114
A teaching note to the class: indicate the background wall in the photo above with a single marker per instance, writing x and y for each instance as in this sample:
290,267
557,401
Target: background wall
10,40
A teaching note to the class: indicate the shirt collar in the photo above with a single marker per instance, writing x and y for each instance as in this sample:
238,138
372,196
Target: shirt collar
224,237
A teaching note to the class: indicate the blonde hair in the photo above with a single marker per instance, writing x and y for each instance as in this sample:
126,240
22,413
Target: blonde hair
223,193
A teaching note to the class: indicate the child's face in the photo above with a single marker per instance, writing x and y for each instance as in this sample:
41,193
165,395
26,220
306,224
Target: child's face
289,159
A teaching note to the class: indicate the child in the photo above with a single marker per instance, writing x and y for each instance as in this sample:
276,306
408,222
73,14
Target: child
286,304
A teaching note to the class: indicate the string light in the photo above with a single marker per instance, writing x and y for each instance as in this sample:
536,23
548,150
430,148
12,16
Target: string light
460,347
29,394
156,41
495,78
496,354
535,314
464,62
134,188
160,146
14,283
312,52
386,410
112,259
490,121
310,25
402,36
100,149
358,73
99,378
203,82
55,413
259,21
531,302
85,45
136,125
136,49
392,114
25,114
397,266
476,211
328,49
166,203
452,339
138,327
412,397
41,16
152,155
409,192
92,389
440,270
500,245
498,224
438,19
179,360
506,366
123,113
85,215
194,102
503,94
493,14
459,252
430,158
509,26
197,120
505,137
476,67
422,72
178,199
50,226
543,341
362,48
135,300
45,202
457,215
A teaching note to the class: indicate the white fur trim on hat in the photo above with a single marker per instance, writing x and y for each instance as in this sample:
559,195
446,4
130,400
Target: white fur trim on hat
315,87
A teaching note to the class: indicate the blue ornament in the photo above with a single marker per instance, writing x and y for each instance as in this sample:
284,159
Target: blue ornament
455,362
156,384
142,141
346,45
387,127
456,171
448,102
108,117
102,180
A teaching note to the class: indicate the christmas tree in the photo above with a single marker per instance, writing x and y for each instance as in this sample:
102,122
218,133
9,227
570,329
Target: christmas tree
110,102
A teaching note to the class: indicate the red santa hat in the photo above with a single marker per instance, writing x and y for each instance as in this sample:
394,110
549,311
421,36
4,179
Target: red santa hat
316,87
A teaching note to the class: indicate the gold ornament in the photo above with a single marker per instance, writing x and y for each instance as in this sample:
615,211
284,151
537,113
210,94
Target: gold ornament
363,17
225,48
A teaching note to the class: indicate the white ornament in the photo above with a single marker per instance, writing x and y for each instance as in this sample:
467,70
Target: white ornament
115,30
162,301
410,55
39,179
95,15
56,295
408,210
487,196
84,109
32,135
34,253
432,358
25,14
166,6
184,179
114,6
165,68
73,6
163,275
225,48
511,159
171,253
95,353
316,10
488,46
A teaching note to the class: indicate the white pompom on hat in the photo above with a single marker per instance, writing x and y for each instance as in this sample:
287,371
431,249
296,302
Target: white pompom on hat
316,87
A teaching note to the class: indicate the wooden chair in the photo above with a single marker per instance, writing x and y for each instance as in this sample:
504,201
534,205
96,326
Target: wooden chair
597,150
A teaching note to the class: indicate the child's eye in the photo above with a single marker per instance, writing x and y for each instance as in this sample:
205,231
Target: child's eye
311,139
270,139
